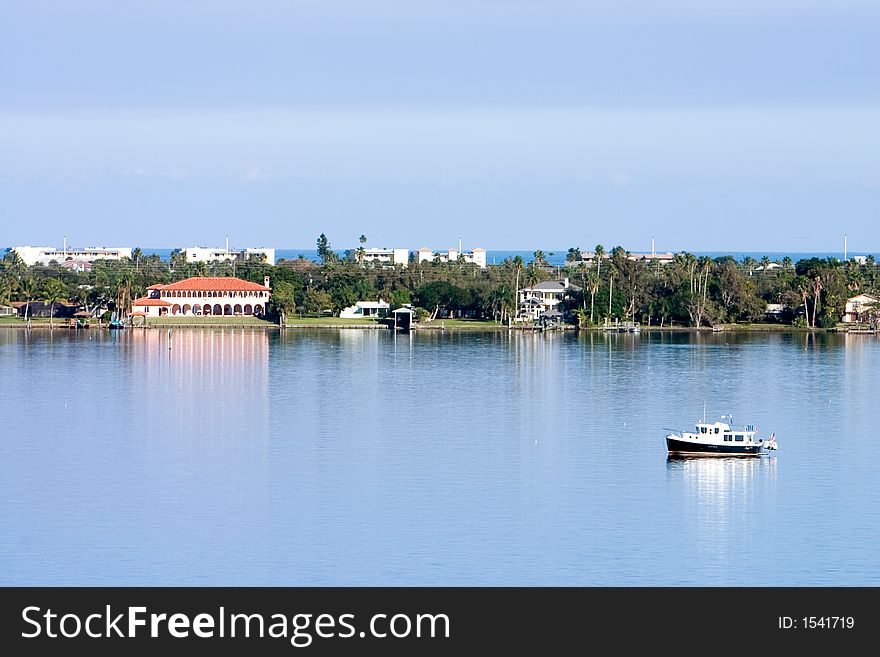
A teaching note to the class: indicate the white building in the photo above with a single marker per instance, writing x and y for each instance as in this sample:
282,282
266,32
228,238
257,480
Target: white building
477,256
662,258
209,254
204,295
542,299
32,255
857,306
381,256
366,309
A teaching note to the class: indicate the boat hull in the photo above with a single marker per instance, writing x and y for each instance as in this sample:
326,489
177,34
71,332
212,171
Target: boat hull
689,448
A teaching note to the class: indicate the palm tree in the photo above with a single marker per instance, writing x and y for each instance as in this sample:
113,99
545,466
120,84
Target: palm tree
136,254
765,264
53,292
593,285
28,289
749,263
599,253
539,258
517,271
574,254
532,275
361,251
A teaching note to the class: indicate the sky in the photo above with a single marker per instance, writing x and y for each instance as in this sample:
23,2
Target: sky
734,125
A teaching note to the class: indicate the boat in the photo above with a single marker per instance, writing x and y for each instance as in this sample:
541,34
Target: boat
115,322
718,439
621,327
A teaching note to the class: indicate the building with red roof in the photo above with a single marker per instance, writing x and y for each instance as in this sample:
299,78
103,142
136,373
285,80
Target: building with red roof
205,295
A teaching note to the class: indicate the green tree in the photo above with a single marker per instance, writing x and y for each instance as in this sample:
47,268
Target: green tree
283,300
29,288
599,253
593,287
539,258
54,291
316,301
136,255
361,251
324,251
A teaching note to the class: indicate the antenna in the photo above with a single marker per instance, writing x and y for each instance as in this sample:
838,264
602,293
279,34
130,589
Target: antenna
652,247
844,247
227,244
459,246
704,410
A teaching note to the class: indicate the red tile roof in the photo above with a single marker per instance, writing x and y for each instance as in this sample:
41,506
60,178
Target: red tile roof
146,301
221,283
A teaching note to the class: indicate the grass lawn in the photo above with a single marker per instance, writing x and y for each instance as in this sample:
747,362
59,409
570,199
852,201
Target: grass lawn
14,320
210,320
330,321
461,323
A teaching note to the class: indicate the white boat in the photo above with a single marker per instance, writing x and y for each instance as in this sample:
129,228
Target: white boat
718,439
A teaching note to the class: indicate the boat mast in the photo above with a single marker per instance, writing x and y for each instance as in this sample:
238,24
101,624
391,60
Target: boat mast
704,410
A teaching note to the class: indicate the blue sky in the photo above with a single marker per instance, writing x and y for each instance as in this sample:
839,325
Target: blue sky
710,126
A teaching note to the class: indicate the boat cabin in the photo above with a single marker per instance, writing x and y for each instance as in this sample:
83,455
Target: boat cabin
722,432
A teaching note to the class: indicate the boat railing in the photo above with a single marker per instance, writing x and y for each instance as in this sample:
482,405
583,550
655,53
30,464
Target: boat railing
674,432
744,428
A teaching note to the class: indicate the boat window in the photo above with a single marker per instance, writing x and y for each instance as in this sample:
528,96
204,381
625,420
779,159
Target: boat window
739,437
717,430
702,429
727,438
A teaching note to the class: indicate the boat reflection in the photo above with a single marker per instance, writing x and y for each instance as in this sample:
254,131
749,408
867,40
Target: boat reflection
718,497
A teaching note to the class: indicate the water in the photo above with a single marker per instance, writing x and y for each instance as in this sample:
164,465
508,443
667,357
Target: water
250,457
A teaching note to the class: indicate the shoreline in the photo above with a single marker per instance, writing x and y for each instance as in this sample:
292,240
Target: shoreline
488,328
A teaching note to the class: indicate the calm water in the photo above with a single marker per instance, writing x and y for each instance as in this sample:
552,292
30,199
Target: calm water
363,458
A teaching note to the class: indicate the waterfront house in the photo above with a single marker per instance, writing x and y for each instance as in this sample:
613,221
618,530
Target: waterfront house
44,309
205,295
366,309
774,311
858,307
542,299
379,256
476,256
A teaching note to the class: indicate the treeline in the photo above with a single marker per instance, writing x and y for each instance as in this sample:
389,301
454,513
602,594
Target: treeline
688,291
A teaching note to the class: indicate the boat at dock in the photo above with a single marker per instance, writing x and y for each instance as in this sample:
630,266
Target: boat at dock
718,439
621,327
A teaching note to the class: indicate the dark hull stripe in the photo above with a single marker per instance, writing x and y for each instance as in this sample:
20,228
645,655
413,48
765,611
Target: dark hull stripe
696,449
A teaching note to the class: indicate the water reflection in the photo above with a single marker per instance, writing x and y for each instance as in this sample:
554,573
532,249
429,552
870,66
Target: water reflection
189,380
719,496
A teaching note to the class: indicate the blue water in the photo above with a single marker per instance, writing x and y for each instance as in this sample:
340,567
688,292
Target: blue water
250,457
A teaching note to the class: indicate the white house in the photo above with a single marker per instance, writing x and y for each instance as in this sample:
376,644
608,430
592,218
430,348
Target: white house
661,258
204,295
476,256
31,255
366,309
381,256
858,305
210,254
542,299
